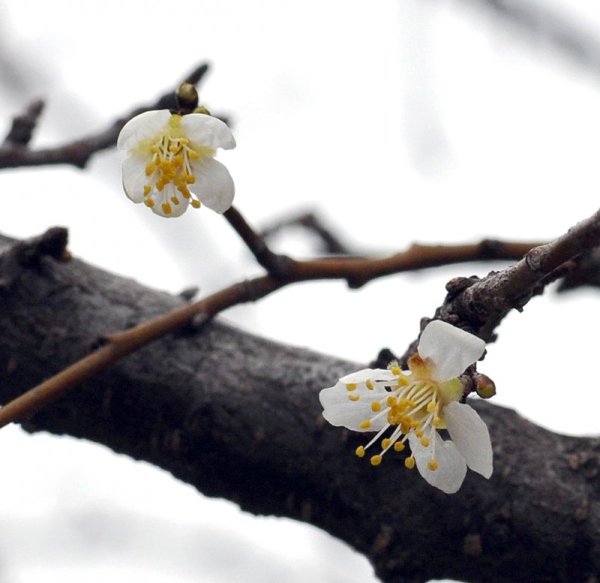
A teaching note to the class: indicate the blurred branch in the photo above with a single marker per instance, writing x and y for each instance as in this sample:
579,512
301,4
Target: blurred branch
13,154
238,417
541,22
331,243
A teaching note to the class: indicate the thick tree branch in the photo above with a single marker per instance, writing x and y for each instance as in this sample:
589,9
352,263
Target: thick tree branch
238,417
284,271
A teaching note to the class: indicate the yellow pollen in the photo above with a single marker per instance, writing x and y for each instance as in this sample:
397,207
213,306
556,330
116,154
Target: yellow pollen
419,432
437,421
375,406
166,208
149,202
147,190
354,397
351,386
410,462
386,443
399,446
403,380
365,424
431,406
370,384
174,200
425,441
196,203
433,465
396,371
392,401
360,451
376,460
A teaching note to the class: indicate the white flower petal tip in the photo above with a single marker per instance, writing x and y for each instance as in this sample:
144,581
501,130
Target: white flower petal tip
170,166
451,349
409,407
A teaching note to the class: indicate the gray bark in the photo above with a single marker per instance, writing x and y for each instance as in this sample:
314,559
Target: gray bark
238,417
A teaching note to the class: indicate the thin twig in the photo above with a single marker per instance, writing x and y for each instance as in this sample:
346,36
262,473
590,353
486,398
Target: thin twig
79,152
278,266
332,244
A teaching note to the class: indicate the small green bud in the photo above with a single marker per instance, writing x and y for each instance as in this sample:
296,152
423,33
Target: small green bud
187,97
484,386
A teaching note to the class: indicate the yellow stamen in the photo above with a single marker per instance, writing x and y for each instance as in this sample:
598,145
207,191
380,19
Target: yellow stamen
433,465
399,446
410,462
195,203
366,424
351,386
425,442
376,460
360,451
370,384
166,208
354,397
375,406
386,443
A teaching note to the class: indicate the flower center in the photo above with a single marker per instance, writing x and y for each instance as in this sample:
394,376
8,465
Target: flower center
171,153
413,406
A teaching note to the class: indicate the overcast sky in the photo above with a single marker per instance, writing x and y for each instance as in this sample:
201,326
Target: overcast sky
397,121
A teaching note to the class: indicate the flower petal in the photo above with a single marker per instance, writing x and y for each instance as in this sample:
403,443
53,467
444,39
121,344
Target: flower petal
471,436
134,177
166,196
142,127
450,349
365,374
208,131
451,471
214,186
341,411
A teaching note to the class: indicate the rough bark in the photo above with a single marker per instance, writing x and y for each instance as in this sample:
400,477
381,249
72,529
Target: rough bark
238,417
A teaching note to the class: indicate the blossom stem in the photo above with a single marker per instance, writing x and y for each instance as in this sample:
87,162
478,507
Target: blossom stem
278,266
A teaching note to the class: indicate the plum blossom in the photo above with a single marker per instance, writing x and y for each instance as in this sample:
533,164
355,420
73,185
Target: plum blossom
170,162
412,406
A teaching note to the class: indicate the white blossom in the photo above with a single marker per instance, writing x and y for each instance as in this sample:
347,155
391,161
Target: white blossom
412,406
170,162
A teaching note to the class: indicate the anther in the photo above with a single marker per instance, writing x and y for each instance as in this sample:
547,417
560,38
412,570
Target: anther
375,406
351,386
366,424
433,465
410,462
376,459
360,451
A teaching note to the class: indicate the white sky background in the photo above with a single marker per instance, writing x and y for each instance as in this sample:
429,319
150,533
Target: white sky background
397,121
